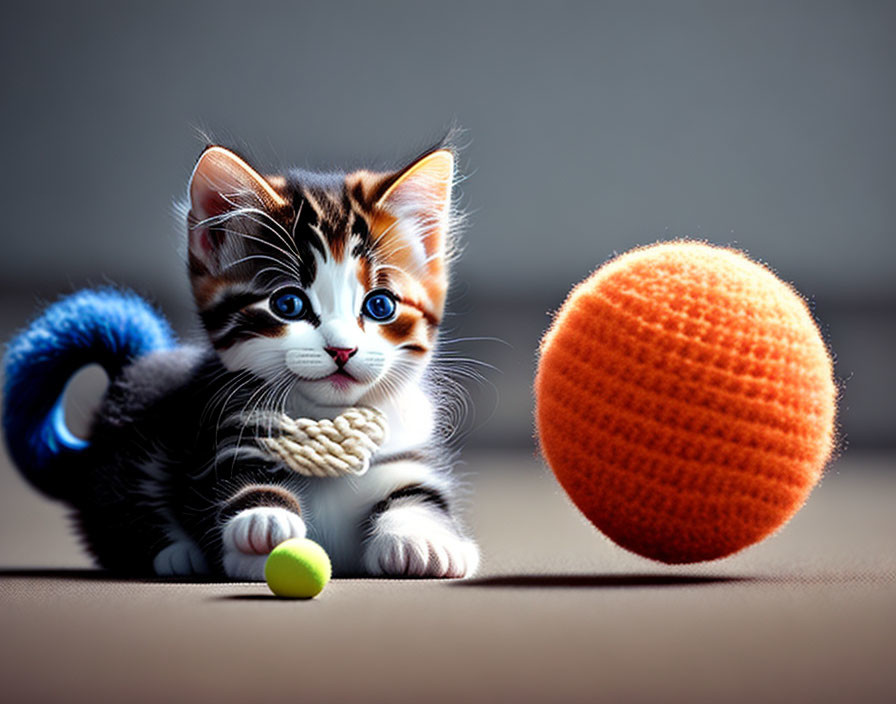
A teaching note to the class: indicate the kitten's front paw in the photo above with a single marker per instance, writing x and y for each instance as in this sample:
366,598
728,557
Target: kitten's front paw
250,535
180,559
410,542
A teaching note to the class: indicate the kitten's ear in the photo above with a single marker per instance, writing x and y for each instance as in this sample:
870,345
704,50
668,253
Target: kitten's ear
221,183
419,202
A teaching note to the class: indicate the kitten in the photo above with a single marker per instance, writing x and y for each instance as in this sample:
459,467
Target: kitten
317,292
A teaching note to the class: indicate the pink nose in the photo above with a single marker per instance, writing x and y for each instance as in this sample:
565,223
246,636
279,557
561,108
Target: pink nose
341,354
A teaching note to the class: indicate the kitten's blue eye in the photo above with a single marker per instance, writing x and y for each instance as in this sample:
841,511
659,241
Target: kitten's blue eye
290,303
380,306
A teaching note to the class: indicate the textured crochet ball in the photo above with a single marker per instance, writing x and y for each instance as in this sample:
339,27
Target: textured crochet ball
685,401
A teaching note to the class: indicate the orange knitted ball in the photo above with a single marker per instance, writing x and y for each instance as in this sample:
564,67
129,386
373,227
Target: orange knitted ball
685,401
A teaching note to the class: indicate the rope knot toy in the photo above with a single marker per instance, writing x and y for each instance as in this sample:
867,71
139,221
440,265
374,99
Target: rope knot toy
326,448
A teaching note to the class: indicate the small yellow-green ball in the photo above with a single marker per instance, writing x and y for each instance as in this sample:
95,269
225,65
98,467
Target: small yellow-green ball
297,568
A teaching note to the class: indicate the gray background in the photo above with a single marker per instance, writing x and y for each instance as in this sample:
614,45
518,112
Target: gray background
591,128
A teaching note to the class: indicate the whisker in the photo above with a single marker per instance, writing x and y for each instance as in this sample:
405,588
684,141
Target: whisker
456,340
293,265
295,223
277,230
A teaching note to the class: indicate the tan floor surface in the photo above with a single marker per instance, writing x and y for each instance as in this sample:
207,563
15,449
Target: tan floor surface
558,614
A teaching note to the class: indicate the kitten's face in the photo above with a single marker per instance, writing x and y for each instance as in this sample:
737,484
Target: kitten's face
329,288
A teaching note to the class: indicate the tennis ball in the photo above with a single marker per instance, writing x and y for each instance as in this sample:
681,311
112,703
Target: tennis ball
685,401
297,568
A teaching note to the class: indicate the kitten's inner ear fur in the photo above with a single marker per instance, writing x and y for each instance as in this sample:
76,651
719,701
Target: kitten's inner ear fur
417,209
223,182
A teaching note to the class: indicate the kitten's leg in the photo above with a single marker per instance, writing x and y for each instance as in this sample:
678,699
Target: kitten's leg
413,534
253,522
180,559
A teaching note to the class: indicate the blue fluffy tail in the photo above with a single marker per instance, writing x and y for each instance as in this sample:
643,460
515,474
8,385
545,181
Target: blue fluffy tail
106,327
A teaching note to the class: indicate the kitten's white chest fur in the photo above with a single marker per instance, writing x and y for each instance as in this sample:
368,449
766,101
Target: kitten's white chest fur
410,421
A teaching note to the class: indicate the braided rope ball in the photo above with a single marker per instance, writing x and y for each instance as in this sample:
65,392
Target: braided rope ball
327,448
685,401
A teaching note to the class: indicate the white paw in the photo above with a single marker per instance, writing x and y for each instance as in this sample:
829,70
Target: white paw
250,535
409,541
180,559
249,568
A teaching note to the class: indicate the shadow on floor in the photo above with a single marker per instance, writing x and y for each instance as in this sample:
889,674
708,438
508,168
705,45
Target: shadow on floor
75,574
600,580
620,581
260,597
